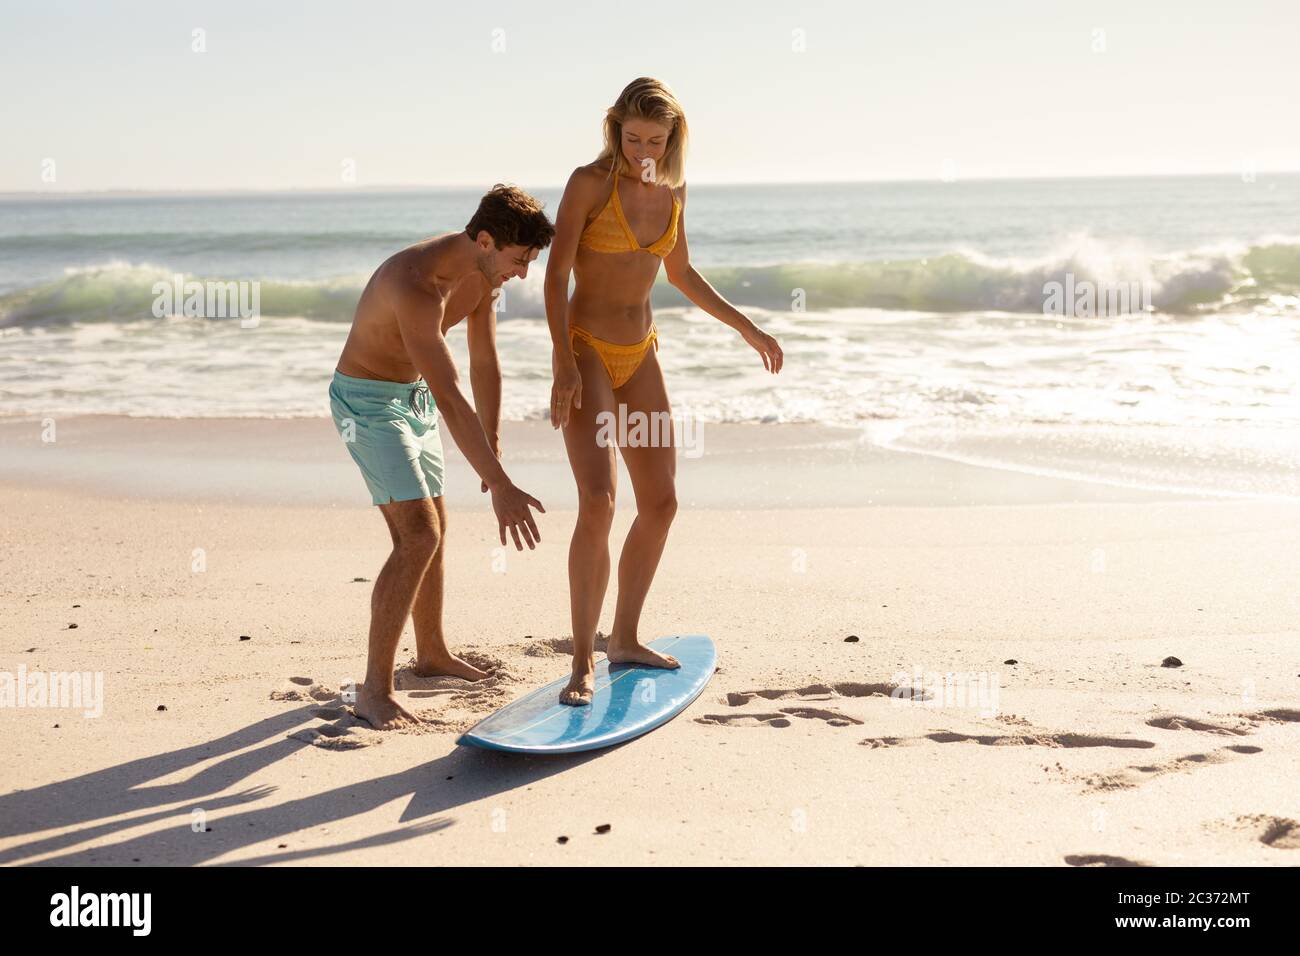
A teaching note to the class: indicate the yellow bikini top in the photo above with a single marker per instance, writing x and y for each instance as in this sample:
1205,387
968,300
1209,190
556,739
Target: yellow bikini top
609,231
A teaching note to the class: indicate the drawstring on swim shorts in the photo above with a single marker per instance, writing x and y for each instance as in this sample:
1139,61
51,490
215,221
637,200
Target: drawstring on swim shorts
420,399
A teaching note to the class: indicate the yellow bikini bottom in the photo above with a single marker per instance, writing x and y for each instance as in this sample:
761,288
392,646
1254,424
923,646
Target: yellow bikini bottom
620,361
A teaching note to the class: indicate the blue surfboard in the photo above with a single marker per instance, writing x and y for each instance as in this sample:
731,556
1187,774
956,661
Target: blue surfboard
627,700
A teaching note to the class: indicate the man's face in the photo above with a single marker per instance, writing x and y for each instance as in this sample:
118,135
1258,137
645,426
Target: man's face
508,262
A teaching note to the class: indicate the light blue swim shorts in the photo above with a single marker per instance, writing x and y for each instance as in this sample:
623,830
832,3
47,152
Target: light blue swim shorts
391,431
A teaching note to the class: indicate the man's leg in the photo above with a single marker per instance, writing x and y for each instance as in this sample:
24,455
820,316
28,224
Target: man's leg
415,531
431,655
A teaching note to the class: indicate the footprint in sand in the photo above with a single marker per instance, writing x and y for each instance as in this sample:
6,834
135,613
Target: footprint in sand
1039,739
560,646
1014,720
1135,776
1242,725
1278,833
330,737
330,713
825,692
1281,834
780,719
303,688
1191,723
342,730
1236,725
812,692
1100,859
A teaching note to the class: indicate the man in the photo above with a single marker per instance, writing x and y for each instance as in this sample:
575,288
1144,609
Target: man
395,374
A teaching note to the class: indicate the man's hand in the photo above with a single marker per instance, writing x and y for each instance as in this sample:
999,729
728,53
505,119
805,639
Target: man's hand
511,506
566,392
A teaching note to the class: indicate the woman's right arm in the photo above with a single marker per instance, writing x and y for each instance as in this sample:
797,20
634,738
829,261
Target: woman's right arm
571,218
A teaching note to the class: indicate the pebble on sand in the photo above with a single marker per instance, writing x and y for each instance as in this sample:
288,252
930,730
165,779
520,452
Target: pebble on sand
851,639
245,637
562,839
604,828
162,706
1171,662
71,626
1011,660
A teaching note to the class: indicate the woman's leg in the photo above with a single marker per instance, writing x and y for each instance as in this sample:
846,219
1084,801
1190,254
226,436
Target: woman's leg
595,470
651,459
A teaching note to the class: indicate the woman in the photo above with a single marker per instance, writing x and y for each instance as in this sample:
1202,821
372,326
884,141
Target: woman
620,217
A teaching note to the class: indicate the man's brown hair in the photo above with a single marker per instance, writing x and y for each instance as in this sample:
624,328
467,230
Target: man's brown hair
512,218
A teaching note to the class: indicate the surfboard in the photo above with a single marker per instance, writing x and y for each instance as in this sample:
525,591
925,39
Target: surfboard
628,700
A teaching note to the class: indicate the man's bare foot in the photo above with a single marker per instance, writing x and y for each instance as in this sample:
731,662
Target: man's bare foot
449,666
631,652
382,711
578,693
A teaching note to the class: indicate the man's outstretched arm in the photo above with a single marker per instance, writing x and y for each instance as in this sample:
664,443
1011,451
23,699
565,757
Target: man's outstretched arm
485,370
419,318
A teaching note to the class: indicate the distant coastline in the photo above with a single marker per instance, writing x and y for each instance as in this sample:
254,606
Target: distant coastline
383,188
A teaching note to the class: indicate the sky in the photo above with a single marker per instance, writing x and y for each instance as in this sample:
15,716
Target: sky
332,95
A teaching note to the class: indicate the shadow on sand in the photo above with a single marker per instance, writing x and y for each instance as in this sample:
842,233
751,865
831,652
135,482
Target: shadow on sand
87,804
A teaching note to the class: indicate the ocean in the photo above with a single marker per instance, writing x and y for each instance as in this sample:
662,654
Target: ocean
988,322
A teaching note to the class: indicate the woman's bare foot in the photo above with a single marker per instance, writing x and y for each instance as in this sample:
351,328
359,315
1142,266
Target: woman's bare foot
631,652
449,666
578,693
382,711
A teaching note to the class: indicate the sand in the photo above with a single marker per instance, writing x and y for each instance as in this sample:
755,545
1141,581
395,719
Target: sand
167,544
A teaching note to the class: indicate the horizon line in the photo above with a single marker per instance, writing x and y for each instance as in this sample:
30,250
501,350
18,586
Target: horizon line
425,187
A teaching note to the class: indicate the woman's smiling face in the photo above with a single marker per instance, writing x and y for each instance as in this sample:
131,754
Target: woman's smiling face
643,140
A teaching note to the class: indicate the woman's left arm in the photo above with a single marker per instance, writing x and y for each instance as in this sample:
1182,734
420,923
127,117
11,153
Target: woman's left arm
685,277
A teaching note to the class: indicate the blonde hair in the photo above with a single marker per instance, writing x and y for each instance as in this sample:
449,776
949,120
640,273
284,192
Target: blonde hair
648,99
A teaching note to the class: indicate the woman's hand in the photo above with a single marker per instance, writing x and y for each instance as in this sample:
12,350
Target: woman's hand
496,447
566,392
766,346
